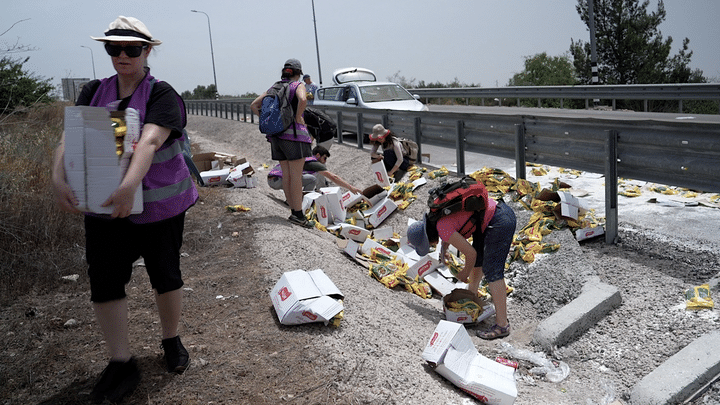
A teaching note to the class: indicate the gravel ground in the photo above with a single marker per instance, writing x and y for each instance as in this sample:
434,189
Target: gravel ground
377,348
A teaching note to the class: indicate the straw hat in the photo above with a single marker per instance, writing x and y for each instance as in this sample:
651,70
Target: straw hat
128,29
379,133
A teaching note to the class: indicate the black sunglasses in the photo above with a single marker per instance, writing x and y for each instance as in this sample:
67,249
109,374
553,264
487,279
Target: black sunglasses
132,51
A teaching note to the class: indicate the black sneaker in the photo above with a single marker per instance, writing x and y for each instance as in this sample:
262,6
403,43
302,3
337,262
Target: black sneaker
117,380
176,357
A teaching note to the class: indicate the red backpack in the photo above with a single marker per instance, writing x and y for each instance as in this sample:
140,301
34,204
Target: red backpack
465,194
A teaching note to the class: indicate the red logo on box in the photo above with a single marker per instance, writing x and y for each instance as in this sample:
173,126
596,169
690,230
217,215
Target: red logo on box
435,336
354,232
381,211
346,197
379,176
424,268
214,179
322,212
462,318
284,293
309,315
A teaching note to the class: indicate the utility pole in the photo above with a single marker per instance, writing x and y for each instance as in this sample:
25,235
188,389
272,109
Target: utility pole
317,47
593,52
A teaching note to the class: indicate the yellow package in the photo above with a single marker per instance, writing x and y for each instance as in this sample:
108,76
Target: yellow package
699,297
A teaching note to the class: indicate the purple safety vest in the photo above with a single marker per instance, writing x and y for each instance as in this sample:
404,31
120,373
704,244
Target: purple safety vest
168,188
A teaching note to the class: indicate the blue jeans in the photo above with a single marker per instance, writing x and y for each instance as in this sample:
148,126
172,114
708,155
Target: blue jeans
493,245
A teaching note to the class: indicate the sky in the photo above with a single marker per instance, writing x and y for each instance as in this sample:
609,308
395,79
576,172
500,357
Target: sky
477,42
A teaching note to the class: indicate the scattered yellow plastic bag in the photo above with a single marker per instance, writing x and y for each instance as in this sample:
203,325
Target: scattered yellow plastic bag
699,297
237,208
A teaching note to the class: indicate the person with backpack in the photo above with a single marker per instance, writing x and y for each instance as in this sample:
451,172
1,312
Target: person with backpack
114,242
490,223
291,145
392,155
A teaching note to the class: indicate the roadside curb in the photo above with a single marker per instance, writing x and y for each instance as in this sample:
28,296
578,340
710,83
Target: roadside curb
594,302
682,375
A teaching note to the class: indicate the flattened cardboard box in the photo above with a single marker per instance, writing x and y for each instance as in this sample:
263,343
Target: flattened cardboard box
453,355
92,167
306,296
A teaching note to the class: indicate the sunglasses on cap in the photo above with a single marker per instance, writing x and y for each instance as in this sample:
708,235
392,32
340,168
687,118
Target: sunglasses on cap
132,51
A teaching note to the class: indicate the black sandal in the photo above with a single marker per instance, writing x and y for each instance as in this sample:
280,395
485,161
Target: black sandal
496,331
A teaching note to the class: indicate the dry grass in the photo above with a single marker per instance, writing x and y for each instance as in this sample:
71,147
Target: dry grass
38,243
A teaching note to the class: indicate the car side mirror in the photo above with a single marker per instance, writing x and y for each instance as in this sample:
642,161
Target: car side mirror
416,97
352,100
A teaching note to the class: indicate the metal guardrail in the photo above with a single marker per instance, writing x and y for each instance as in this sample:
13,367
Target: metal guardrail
680,91
681,153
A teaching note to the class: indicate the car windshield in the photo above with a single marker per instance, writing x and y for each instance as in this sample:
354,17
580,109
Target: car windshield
384,92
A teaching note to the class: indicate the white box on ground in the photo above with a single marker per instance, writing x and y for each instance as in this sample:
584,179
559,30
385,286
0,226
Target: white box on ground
337,209
454,356
348,199
216,177
380,175
322,210
353,232
383,233
422,267
586,233
305,296
570,206
439,283
92,167
380,212
370,244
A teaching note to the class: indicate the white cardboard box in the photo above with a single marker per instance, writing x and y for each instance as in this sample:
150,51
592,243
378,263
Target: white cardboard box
337,209
379,213
586,233
454,356
422,267
92,167
306,296
353,232
380,175
216,177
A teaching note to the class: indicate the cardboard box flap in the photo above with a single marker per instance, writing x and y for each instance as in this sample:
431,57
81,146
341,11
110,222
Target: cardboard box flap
324,284
321,309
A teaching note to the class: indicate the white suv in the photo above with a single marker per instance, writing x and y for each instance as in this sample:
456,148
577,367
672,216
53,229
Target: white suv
358,87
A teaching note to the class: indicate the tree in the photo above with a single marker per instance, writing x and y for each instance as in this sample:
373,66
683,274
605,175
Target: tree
630,47
200,93
19,88
543,70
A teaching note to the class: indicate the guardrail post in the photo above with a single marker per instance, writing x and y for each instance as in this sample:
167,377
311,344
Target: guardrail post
460,147
359,130
339,126
679,106
418,135
520,151
611,179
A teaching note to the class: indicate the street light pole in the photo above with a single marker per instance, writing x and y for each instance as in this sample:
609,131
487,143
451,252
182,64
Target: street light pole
317,47
212,54
92,58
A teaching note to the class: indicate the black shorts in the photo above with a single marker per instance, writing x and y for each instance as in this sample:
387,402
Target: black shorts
282,149
113,245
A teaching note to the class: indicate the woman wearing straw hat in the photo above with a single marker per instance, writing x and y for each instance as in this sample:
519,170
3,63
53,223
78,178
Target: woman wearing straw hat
115,241
395,163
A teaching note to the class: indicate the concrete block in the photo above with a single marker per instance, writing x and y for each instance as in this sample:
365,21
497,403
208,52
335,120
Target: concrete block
595,301
681,375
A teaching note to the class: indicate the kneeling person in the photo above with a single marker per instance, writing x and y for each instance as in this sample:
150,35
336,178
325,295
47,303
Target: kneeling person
315,173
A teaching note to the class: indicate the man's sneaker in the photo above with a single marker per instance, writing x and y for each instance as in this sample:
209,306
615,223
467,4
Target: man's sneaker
176,357
117,380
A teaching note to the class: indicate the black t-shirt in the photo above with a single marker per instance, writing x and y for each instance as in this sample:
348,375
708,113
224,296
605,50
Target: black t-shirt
314,166
162,107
